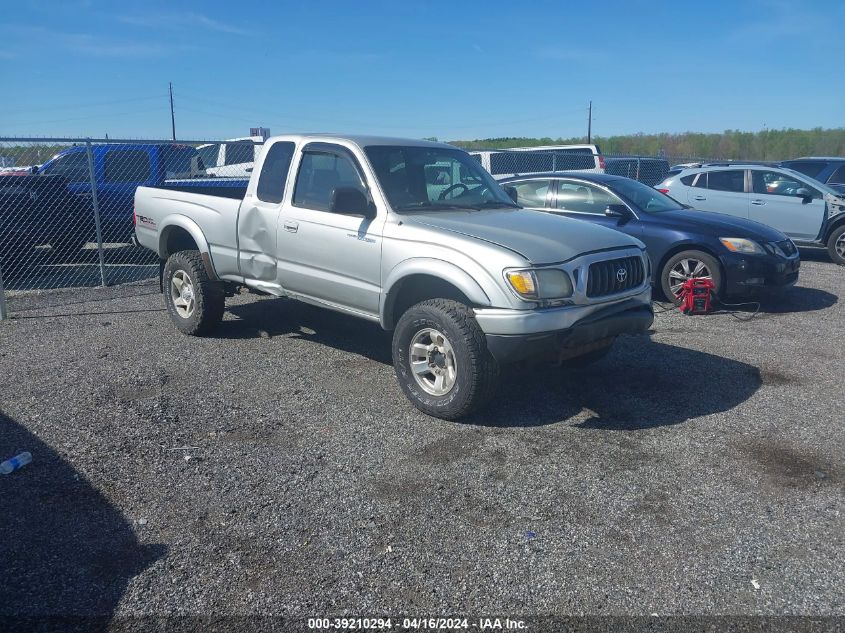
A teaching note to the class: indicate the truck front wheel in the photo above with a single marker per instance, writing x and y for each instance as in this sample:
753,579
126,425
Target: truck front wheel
194,301
441,359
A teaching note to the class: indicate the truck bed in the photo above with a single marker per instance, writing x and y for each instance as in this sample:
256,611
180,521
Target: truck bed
221,191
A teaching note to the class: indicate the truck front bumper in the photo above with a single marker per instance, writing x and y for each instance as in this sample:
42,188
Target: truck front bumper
576,333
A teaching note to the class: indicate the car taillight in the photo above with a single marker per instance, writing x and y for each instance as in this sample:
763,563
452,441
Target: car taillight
663,191
601,161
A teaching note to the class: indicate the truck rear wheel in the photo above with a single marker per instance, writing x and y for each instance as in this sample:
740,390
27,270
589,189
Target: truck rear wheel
441,359
194,301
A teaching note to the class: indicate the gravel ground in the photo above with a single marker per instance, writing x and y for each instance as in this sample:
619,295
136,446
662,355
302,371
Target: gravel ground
277,468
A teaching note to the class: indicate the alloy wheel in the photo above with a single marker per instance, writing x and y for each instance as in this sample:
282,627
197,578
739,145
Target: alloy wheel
182,294
685,269
433,362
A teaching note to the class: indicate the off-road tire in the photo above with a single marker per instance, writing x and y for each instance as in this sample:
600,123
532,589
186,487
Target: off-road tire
837,235
209,298
476,369
708,260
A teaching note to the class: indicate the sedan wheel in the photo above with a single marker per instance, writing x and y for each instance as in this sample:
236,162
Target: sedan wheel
687,269
689,265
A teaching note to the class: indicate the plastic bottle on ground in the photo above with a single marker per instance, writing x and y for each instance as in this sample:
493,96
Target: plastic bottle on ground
18,461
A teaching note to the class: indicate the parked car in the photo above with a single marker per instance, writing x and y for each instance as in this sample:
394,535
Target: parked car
586,158
809,212
234,159
830,171
466,279
121,167
737,255
528,160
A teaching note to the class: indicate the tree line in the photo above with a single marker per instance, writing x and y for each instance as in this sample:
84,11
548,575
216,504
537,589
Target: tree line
770,145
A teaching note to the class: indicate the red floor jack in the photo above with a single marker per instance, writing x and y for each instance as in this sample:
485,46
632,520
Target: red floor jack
695,296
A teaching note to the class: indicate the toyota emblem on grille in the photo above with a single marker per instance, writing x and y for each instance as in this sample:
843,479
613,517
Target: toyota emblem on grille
621,275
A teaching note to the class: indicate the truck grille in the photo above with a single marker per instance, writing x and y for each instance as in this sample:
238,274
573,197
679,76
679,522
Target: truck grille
614,275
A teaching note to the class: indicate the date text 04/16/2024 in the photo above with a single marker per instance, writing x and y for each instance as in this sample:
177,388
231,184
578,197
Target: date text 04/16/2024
425,623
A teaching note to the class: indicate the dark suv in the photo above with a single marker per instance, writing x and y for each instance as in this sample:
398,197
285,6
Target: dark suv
830,171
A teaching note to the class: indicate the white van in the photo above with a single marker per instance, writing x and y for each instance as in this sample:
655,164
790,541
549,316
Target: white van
233,158
517,161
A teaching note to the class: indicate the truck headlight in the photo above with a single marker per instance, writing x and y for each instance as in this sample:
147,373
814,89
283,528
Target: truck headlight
541,283
742,245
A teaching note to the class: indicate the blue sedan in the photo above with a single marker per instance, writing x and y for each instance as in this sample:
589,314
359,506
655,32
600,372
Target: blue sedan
738,255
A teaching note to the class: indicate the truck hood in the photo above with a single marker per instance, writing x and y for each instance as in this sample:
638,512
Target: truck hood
541,238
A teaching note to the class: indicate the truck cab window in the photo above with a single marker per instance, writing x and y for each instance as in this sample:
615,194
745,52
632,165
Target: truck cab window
127,165
319,173
237,153
274,172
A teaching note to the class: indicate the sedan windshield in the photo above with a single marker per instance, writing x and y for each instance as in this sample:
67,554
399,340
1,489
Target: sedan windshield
434,178
646,198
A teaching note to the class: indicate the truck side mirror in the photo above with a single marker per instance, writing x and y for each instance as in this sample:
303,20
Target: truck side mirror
511,191
350,201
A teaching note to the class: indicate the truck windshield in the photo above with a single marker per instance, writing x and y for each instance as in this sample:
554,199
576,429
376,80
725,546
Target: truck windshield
432,178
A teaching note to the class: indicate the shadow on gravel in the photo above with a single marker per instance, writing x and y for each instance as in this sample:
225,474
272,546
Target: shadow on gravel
797,299
65,550
284,317
639,385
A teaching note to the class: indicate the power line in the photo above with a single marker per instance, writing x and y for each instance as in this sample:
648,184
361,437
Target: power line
82,106
440,124
80,118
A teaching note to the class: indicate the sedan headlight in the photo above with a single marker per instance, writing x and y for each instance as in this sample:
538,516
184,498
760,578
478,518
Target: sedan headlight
541,283
742,245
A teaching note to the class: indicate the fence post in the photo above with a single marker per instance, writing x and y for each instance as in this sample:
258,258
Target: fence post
93,178
4,312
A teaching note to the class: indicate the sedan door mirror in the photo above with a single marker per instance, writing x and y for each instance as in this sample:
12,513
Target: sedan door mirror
617,211
351,201
805,194
511,191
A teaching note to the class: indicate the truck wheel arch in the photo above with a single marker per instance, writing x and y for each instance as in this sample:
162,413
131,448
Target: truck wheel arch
179,233
414,281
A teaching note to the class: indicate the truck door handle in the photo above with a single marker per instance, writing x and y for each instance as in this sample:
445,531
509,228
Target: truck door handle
699,198
293,227
759,203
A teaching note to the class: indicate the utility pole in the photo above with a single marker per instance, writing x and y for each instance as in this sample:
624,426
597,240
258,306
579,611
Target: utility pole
589,123
172,117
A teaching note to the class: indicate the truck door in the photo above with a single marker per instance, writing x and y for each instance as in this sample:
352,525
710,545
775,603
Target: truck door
330,257
775,201
258,217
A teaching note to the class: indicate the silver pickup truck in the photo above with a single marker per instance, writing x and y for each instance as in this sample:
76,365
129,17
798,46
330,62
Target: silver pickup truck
414,235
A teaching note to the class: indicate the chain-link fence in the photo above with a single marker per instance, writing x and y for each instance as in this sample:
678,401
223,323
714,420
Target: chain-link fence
67,204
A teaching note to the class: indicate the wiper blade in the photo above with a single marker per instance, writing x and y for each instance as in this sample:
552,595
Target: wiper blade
429,205
490,204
